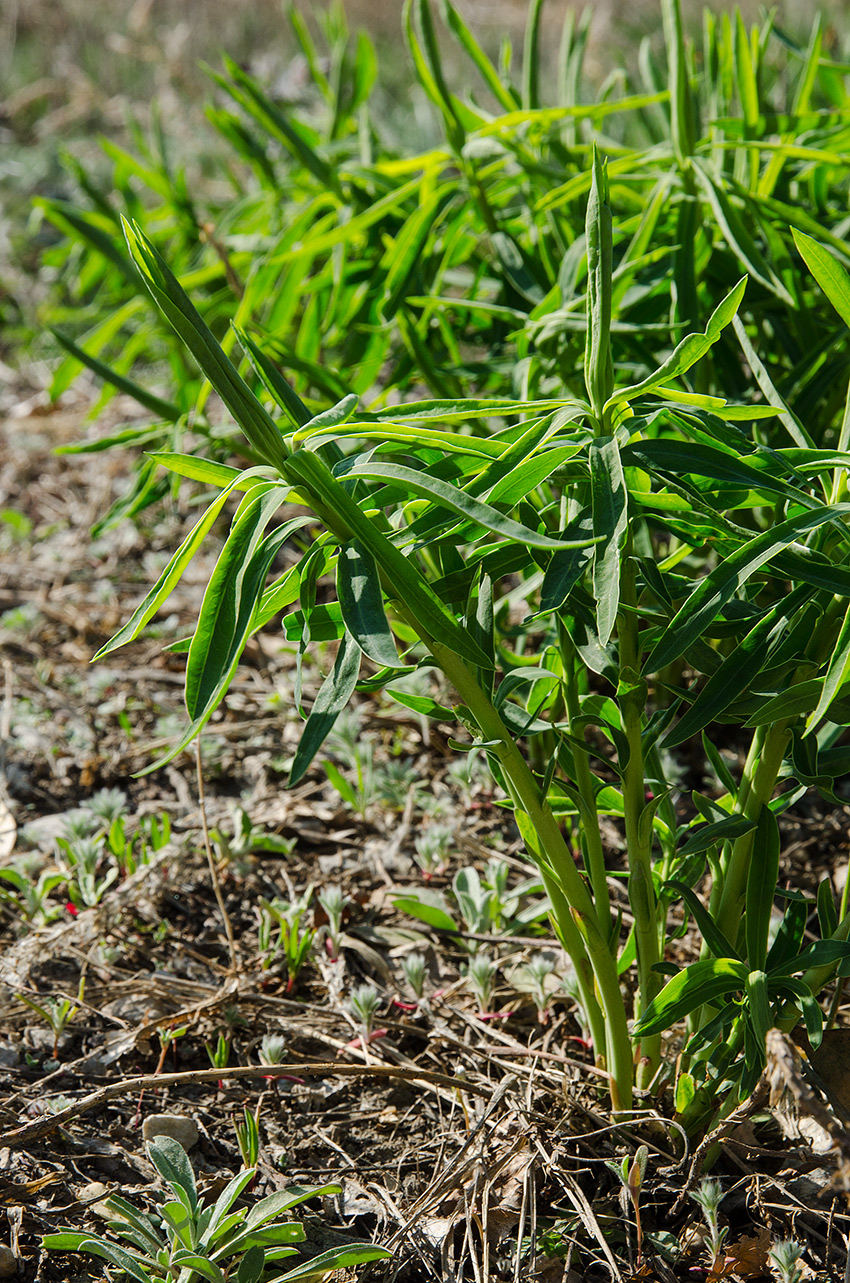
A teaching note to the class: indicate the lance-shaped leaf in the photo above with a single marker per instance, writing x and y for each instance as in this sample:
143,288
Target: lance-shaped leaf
449,496
715,590
162,409
827,271
837,674
691,349
701,982
215,669
708,928
273,381
610,521
210,473
173,302
234,590
680,457
334,693
172,573
761,885
737,672
361,601
598,362
734,826
68,1241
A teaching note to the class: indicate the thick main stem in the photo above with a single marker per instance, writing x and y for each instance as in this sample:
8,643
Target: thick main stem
594,854
757,788
642,897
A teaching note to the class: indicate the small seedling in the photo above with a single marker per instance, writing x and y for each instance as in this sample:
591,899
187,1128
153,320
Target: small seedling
31,899
248,1137
535,978
273,1049
293,940
83,858
432,850
219,1055
365,1002
631,1173
783,1258
415,972
334,902
481,979
708,1196
57,1013
108,805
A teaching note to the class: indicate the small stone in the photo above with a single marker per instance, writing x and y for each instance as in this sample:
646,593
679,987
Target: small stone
183,1130
8,1262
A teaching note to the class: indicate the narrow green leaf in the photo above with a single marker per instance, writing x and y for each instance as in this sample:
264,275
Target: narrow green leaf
234,590
169,578
209,473
503,94
707,927
361,601
716,589
810,1007
737,672
701,982
334,693
162,409
598,363
610,522
427,906
761,884
691,349
827,271
273,381
837,674
449,496
344,1257
423,705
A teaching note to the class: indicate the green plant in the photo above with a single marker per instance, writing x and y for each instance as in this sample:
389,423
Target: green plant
597,532
783,1258
480,975
31,898
248,1134
334,902
83,858
709,1195
189,1240
538,978
219,1055
415,972
365,1003
432,849
273,1049
631,1172
57,1013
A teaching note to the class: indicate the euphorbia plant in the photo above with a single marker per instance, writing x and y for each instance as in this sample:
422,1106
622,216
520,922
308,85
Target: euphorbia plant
675,576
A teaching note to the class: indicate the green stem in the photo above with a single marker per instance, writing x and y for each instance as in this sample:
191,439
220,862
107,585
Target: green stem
594,854
756,789
642,898
573,910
